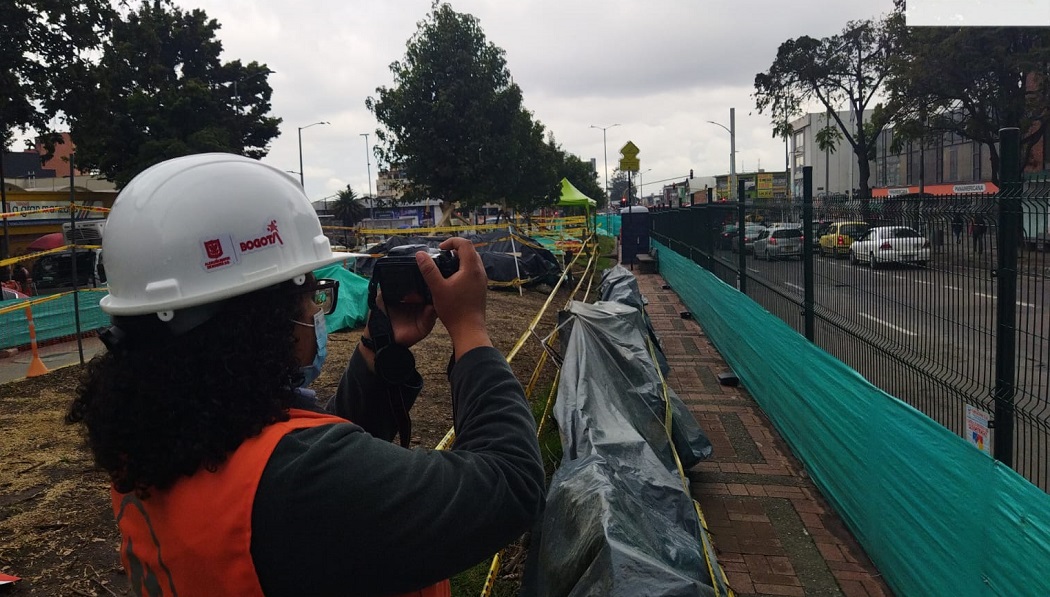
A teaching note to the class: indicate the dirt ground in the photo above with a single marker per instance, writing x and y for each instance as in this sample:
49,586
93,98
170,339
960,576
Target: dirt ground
56,525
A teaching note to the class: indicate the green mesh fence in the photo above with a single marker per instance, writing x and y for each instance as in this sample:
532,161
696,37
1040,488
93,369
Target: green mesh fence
53,318
936,515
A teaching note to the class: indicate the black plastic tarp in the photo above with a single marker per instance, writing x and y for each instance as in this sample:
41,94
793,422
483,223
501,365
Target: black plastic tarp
510,257
619,284
619,520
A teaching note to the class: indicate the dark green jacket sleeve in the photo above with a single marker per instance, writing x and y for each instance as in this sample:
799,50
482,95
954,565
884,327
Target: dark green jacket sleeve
364,399
341,512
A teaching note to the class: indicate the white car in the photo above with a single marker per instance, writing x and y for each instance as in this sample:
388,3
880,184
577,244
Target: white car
890,244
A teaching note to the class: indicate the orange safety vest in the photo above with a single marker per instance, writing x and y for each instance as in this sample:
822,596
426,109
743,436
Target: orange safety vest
195,538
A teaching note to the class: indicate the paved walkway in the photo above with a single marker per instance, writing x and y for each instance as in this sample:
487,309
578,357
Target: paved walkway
774,533
54,356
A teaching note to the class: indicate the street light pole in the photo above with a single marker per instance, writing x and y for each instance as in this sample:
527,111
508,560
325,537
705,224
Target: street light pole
302,179
641,185
605,150
732,150
368,164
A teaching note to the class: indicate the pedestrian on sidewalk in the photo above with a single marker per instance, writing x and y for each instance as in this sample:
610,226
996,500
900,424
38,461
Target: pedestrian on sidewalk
957,228
229,476
979,229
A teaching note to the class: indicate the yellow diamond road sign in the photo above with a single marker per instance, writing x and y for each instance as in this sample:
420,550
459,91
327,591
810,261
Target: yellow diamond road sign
630,162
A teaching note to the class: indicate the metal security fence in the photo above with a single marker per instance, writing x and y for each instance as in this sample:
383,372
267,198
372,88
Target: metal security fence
942,301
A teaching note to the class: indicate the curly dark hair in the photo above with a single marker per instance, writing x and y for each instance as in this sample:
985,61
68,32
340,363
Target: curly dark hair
168,405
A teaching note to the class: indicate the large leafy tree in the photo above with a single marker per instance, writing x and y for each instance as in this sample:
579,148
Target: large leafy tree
531,178
618,186
972,82
844,69
41,41
161,91
453,122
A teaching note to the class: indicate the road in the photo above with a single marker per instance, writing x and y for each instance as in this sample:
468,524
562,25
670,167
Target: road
935,327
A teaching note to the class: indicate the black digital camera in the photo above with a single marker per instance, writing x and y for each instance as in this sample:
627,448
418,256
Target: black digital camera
399,278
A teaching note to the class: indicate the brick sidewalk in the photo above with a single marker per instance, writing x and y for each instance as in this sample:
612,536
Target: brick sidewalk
774,532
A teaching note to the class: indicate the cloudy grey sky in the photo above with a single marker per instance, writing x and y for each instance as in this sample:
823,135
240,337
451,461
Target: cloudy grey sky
659,68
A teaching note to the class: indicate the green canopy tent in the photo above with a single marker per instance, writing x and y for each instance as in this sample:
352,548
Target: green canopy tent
572,197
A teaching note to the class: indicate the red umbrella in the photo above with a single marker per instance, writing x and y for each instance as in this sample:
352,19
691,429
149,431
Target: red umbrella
47,242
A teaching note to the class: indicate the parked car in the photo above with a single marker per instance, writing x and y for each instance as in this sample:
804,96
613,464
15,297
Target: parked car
838,236
779,242
819,230
727,236
7,294
54,273
890,244
751,232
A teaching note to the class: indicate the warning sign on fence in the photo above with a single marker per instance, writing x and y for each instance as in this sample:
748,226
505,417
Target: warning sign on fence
977,428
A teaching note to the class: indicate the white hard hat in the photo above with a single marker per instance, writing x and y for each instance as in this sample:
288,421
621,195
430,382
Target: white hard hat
203,228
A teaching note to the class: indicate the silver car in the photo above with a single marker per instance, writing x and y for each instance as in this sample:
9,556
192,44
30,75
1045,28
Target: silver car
751,232
781,241
890,244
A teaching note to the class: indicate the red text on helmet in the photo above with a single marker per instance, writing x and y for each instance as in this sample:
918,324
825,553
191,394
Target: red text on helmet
272,238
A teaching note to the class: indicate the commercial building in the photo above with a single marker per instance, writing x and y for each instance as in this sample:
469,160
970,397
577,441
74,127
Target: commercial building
948,164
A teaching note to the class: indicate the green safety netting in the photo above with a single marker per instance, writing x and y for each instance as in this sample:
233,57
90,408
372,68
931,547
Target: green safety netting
935,514
351,308
55,319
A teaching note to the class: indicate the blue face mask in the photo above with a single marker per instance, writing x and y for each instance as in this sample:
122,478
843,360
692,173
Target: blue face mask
313,370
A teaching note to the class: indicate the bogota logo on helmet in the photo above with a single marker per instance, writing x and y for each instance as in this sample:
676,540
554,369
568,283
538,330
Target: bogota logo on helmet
271,238
218,252
213,248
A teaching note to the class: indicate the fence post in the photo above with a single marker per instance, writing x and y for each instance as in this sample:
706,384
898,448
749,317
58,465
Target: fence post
740,233
807,250
1009,204
712,231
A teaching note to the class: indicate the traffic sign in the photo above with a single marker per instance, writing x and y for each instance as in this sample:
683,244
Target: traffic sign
630,162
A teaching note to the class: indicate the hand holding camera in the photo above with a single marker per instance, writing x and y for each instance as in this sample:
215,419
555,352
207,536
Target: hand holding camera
459,299
399,277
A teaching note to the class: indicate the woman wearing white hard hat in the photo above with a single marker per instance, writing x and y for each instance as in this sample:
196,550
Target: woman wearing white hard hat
228,476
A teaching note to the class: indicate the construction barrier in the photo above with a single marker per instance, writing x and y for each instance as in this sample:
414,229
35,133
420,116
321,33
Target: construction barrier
561,230
36,366
54,317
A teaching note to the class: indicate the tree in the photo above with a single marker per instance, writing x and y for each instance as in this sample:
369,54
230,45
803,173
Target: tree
827,139
453,121
40,41
160,91
350,211
618,187
848,68
530,180
348,208
972,82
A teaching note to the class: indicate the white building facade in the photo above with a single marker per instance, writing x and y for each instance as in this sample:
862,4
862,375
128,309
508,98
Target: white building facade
834,171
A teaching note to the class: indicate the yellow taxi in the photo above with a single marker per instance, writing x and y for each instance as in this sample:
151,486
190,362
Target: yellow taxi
838,236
